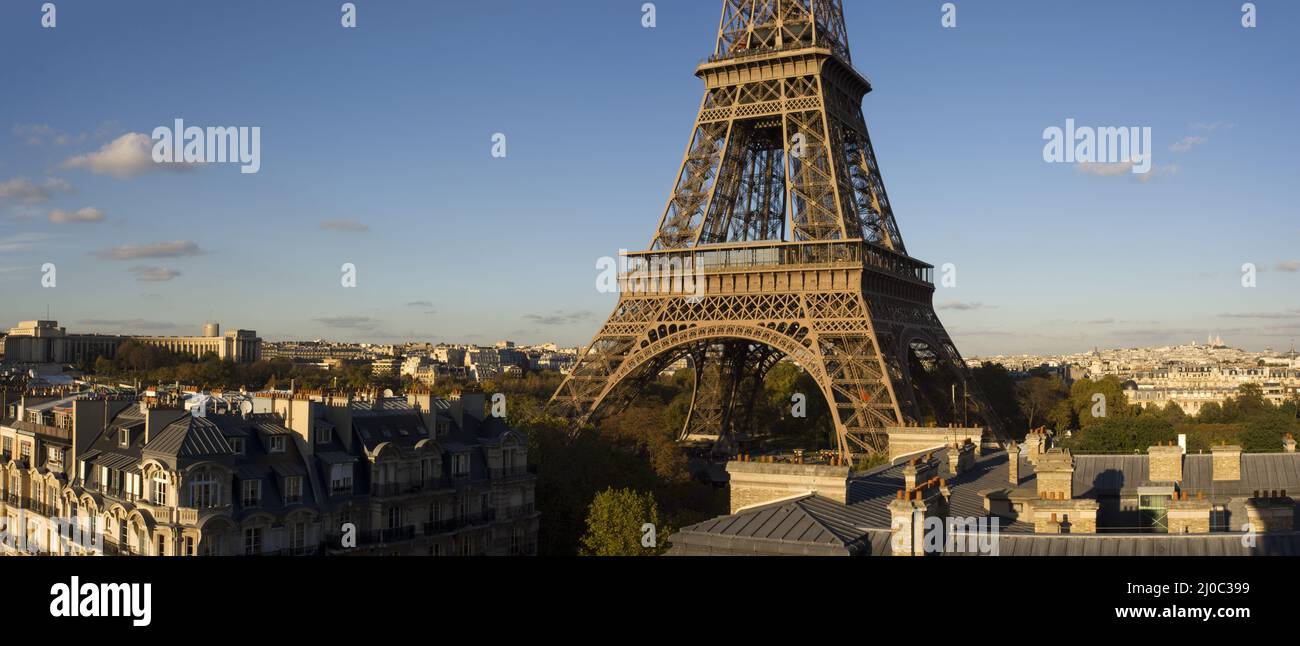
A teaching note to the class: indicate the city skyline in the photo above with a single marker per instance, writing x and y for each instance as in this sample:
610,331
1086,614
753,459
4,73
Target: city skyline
440,231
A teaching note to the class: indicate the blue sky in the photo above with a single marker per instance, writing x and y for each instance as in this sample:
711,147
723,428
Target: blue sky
387,127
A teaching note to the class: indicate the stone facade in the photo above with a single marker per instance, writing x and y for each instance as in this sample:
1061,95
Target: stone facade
1270,514
1189,516
755,483
1056,475
1165,463
1227,463
1065,516
908,440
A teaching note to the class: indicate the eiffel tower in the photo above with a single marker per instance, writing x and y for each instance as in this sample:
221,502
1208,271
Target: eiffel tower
786,248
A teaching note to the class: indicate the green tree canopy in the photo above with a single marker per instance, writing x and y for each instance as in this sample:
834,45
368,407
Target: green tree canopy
614,524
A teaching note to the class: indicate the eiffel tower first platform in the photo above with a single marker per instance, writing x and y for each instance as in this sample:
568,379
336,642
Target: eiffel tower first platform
787,248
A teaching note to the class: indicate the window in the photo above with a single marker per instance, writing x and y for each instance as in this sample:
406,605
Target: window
460,465
297,536
252,541
394,517
293,489
252,493
341,479
237,445
25,451
205,491
123,438
162,545
8,446
323,435
189,546
426,470
277,444
160,488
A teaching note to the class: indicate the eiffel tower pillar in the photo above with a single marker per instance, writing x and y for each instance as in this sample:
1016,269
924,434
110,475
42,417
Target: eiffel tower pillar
778,235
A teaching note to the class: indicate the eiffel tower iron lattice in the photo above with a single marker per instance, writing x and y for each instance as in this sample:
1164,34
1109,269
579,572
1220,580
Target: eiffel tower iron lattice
778,242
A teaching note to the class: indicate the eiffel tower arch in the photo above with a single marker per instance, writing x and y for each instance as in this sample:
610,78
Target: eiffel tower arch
778,242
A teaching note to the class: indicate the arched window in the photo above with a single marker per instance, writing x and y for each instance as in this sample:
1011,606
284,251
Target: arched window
160,488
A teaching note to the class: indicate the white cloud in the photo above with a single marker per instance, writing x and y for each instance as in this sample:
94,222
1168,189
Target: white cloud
125,157
87,214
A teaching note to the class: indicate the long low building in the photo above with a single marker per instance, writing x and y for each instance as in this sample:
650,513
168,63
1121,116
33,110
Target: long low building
279,474
46,342
959,500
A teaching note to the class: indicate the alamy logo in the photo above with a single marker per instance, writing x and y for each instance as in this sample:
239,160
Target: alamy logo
210,145
1106,145
76,599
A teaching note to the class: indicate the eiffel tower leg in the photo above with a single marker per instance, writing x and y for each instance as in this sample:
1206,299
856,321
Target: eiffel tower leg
591,378
858,385
728,377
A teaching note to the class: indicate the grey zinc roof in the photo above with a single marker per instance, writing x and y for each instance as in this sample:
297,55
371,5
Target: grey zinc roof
818,524
874,490
1220,544
190,437
1096,475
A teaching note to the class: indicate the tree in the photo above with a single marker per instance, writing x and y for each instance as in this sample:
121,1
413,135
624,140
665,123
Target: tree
999,390
1173,413
1038,396
615,522
1083,397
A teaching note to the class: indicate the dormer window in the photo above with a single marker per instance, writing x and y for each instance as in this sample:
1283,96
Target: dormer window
237,445
123,438
277,444
323,435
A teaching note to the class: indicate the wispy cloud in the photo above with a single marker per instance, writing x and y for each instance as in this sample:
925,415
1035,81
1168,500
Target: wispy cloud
133,324
21,241
87,214
1103,169
172,249
1289,314
559,317
154,274
348,322
352,226
961,306
21,189
1211,127
1187,143
1289,266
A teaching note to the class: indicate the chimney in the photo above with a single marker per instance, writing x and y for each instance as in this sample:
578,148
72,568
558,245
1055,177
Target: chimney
1035,444
1013,464
1227,463
1270,511
1055,475
1165,463
919,470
